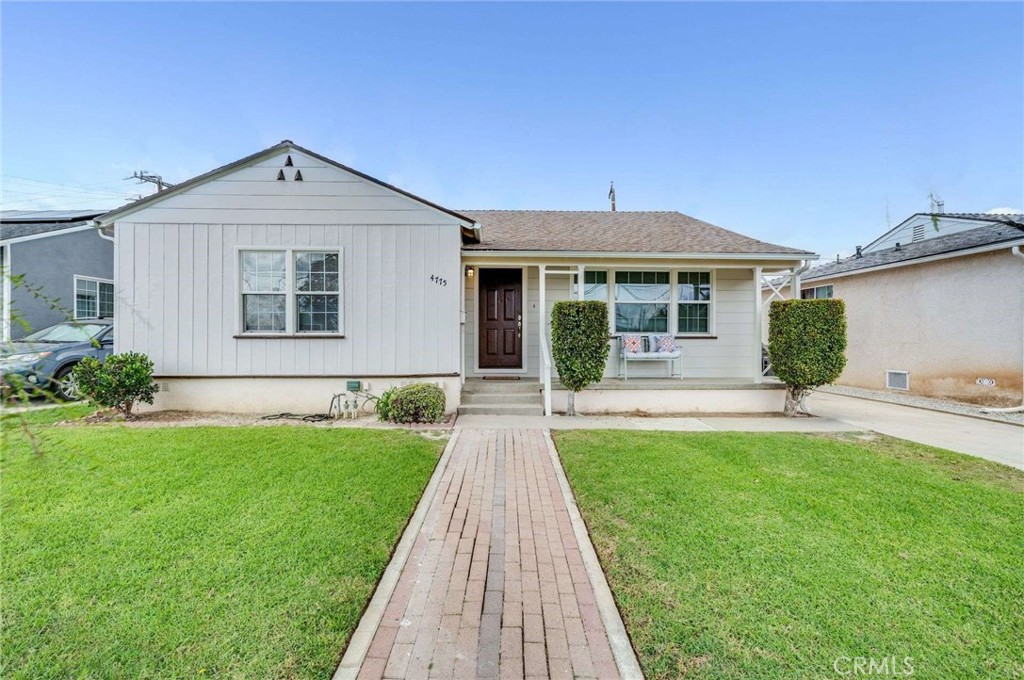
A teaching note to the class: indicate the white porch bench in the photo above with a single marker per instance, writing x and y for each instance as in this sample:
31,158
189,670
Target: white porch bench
648,352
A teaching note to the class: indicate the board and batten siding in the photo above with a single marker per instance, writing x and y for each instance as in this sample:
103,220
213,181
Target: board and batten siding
730,354
178,269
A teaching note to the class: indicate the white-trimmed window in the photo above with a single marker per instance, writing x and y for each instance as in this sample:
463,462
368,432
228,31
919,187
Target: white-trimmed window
641,301
816,293
595,285
291,291
94,298
694,293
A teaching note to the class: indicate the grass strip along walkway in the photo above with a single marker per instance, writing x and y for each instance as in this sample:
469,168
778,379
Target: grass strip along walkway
186,552
788,556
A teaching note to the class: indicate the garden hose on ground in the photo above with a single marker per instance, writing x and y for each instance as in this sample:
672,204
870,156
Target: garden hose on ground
333,411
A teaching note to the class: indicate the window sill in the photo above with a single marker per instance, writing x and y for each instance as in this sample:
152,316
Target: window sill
288,336
701,336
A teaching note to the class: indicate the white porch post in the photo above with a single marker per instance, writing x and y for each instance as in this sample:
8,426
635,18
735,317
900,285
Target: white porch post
579,282
757,325
543,271
543,337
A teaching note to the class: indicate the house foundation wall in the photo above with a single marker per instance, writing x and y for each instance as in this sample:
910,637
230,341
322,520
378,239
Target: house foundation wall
671,402
279,395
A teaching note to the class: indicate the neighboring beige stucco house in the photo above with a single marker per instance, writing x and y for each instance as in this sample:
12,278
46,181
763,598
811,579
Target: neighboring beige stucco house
270,283
934,306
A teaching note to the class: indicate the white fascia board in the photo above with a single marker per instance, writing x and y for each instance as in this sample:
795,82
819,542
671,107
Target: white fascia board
46,234
920,260
579,255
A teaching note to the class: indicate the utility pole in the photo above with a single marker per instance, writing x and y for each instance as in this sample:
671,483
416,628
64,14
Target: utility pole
145,176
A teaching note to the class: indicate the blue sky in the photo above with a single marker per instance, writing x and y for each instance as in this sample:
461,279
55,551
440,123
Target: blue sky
796,123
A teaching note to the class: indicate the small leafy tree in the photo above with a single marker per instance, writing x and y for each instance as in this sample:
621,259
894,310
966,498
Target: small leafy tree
806,345
579,344
119,382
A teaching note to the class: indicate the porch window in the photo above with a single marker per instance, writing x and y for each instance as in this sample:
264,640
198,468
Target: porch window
291,291
94,298
641,302
595,286
695,292
816,293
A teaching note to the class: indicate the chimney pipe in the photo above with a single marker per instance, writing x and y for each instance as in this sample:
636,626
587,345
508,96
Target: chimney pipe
858,252
611,195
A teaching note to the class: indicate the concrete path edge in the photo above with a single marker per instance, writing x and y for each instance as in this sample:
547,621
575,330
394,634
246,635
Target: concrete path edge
622,647
362,636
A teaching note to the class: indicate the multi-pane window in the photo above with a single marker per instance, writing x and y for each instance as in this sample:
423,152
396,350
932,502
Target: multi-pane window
291,291
93,298
694,306
595,286
317,291
816,293
264,291
641,302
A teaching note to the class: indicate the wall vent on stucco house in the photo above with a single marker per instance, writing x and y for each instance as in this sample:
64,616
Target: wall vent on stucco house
897,380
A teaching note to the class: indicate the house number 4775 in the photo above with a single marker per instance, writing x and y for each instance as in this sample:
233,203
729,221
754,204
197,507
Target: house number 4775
438,280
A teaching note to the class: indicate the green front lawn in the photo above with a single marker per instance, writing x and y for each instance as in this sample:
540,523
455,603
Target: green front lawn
774,555
191,552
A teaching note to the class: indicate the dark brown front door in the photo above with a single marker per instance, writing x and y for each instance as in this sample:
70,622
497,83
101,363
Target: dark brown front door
500,325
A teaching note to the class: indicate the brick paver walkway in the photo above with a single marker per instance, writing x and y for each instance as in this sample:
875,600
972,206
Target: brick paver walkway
495,585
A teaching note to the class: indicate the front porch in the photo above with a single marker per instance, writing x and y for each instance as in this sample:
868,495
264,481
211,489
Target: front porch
712,308
644,396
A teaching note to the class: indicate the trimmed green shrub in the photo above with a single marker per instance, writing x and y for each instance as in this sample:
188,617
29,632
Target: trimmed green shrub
119,382
579,344
419,403
383,405
806,345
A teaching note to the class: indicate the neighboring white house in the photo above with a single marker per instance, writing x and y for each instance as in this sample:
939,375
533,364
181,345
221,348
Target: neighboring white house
268,283
935,306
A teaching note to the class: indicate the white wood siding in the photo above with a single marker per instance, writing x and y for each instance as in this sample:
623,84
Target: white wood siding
731,354
177,271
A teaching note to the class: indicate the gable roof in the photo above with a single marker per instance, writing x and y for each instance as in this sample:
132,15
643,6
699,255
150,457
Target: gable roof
285,145
18,224
942,222
613,232
988,235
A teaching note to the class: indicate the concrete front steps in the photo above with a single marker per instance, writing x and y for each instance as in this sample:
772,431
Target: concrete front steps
501,398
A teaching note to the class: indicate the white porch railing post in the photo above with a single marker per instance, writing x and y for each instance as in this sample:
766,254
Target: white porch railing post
543,333
758,368
579,282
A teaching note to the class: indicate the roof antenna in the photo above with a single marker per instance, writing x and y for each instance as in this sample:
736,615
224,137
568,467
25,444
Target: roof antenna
611,195
937,204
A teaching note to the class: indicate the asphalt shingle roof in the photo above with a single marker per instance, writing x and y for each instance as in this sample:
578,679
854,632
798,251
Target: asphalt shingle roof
606,231
21,223
990,234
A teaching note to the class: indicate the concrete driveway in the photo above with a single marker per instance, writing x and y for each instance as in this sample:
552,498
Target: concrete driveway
1000,442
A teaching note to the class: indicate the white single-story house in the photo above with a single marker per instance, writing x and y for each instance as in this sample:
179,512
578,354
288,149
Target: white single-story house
267,284
934,306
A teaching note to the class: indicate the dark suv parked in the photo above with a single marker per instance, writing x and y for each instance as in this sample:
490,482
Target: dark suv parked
42,361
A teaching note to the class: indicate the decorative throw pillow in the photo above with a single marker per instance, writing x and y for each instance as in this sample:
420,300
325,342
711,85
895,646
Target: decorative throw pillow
665,343
632,344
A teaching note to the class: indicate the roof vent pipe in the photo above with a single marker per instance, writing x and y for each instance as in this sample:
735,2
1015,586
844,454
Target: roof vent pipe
859,254
898,246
